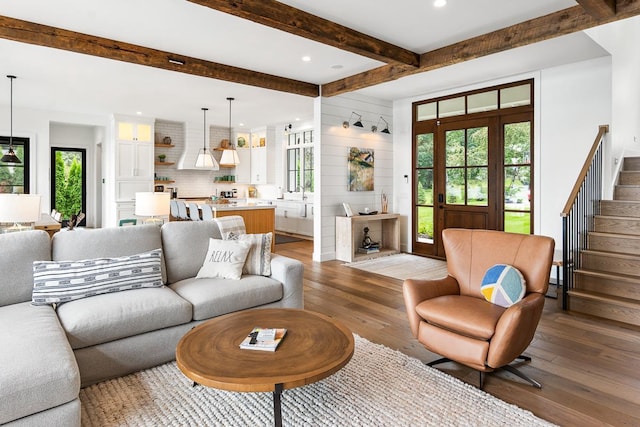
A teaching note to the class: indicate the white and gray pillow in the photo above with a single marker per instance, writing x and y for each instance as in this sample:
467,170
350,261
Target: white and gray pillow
224,259
259,258
56,282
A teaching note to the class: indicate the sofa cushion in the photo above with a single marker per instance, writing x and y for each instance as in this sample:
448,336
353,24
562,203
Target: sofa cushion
185,244
106,242
259,256
19,251
503,285
64,281
225,259
110,317
214,297
39,370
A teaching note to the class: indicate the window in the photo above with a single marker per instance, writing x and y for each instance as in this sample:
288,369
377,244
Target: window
14,178
300,173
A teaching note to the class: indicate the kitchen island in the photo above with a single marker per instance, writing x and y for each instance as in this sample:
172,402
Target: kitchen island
258,218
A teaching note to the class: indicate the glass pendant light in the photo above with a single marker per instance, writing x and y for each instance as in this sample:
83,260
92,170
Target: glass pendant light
205,158
230,156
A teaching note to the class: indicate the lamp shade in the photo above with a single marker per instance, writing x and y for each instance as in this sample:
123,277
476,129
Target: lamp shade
229,158
17,208
152,204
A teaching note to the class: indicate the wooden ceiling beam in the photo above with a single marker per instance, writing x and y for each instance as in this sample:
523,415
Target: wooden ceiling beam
560,23
300,23
43,35
599,9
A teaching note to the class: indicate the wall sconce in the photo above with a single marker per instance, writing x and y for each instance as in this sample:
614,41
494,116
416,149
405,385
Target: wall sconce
357,123
374,128
287,129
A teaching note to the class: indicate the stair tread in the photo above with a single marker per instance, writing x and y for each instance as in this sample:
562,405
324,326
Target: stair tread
609,275
611,254
615,201
595,296
633,218
615,235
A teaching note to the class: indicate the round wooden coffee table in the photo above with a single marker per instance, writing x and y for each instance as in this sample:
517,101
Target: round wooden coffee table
314,347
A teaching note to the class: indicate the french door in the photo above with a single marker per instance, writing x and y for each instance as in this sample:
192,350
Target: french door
471,173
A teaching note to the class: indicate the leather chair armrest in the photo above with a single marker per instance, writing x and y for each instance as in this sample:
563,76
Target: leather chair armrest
416,291
515,330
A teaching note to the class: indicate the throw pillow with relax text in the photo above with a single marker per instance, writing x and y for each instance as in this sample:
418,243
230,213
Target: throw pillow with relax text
225,259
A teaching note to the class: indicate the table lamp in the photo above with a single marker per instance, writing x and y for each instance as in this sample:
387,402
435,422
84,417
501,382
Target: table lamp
19,209
152,205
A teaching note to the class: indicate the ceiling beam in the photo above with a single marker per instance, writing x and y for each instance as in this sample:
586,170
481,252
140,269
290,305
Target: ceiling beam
599,9
295,21
560,23
43,35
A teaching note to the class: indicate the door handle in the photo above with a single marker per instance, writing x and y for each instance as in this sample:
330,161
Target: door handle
440,198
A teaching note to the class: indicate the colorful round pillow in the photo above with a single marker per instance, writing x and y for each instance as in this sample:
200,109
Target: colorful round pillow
503,285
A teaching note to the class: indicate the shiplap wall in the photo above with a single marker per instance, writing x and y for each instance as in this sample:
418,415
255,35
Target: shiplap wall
331,154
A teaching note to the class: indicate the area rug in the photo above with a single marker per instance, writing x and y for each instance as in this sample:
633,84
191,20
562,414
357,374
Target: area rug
283,238
403,266
378,387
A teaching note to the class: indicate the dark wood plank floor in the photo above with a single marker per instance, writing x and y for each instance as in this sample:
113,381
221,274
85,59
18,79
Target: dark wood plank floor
589,369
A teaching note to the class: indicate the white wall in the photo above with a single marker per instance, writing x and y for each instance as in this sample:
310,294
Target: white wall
330,156
36,125
570,102
621,39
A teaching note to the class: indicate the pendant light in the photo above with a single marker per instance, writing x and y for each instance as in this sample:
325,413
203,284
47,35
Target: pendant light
230,157
205,159
11,157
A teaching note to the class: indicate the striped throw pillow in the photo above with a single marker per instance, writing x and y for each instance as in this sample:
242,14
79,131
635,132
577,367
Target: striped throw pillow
56,282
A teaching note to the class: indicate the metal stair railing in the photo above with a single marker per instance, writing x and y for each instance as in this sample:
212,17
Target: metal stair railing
582,206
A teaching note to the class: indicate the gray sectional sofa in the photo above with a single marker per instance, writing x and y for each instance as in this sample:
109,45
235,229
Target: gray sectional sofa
47,353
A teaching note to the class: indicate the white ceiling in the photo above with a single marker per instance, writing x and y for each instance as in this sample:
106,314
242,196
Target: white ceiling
64,81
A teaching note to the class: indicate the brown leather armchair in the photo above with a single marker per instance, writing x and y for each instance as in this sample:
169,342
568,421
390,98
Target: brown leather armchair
451,317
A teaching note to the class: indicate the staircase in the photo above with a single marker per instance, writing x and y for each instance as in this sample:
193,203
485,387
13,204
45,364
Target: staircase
607,284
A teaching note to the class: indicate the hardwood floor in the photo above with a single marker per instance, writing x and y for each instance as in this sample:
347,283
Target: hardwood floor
589,368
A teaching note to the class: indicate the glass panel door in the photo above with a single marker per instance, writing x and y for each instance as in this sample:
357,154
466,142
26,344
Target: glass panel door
68,182
517,177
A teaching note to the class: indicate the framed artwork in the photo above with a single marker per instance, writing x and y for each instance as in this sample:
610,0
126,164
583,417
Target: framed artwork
360,169
347,209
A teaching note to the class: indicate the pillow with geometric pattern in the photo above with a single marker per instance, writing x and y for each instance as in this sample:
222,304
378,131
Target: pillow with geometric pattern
503,285
56,282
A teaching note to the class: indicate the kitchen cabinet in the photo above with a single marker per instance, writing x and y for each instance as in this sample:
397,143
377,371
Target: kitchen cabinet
263,158
132,149
131,129
295,217
134,160
243,148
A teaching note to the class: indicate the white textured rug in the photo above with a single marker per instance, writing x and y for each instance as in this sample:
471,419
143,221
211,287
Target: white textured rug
379,387
403,266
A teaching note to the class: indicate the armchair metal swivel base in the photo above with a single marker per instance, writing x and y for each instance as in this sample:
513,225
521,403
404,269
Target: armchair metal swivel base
452,318
507,368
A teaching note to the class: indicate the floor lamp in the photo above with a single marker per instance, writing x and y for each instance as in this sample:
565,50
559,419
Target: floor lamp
153,205
18,210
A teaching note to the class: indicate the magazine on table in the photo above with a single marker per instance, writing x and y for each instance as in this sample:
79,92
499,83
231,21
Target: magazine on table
264,339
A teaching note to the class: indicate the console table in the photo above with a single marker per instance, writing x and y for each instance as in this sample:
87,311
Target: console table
383,228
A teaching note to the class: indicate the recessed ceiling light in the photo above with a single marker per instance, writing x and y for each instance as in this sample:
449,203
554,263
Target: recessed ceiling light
139,113
439,3
306,58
